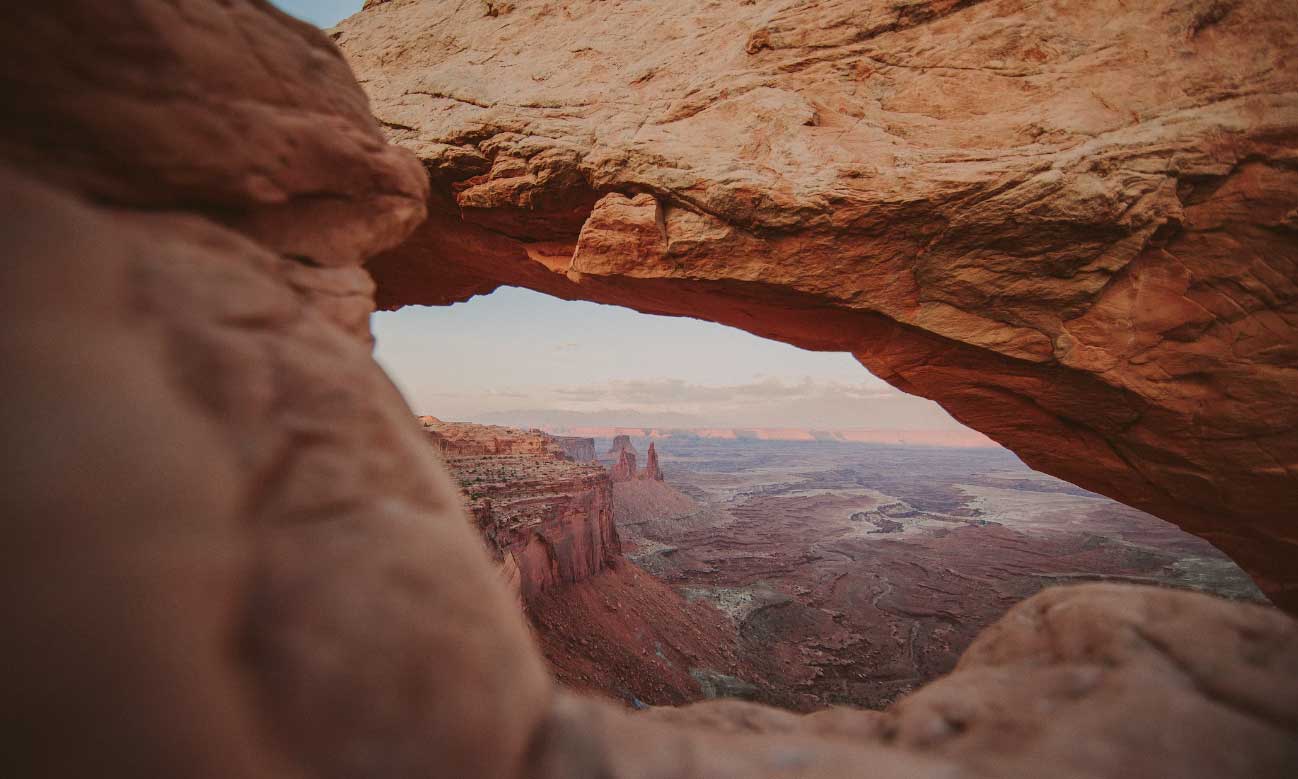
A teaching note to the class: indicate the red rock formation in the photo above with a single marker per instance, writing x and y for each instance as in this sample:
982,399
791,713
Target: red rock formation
576,448
1080,653
624,468
460,439
626,634
651,470
548,520
1072,225
621,443
220,493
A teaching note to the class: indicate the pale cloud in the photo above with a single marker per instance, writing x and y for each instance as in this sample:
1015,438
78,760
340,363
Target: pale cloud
666,392
766,402
519,356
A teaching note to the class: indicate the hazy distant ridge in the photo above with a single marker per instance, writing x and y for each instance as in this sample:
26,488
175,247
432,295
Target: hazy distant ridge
958,438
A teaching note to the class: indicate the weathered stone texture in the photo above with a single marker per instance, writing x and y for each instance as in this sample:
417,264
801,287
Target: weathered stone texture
1072,224
230,552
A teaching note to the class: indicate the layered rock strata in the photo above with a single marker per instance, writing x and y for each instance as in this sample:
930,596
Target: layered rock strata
621,443
1082,654
1073,225
217,489
627,635
548,520
576,448
460,439
624,468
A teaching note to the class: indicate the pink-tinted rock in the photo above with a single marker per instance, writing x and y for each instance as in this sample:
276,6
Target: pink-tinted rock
229,552
651,470
1079,655
1071,224
464,439
621,442
224,533
576,448
624,468
547,520
234,110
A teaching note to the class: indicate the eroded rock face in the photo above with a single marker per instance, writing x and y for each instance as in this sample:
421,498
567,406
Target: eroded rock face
1071,224
652,471
594,638
221,492
223,533
464,439
547,520
624,468
621,443
1062,663
576,448
1083,653
257,124
228,549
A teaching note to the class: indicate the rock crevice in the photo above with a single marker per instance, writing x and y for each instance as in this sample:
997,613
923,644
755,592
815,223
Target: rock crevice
1081,217
229,551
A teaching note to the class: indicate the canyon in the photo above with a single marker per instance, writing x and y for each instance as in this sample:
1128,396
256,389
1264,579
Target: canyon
230,550
850,581
1071,226
795,574
549,522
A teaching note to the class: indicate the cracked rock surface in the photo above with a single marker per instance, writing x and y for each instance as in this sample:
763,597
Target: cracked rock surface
1071,224
229,551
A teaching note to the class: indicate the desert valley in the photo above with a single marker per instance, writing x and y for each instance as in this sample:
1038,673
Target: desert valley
798,573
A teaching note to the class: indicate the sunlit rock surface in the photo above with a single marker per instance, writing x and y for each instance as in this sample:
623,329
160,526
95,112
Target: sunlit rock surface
548,520
464,439
1072,224
230,552
624,468
652,471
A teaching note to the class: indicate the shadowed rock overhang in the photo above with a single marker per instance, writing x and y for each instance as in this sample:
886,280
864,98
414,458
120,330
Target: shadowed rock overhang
1072,225
229,550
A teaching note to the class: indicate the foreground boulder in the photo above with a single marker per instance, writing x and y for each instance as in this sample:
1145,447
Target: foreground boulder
231,552
1086,681
1071,224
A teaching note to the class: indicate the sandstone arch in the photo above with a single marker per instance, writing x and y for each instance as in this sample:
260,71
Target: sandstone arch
228,552
1072,226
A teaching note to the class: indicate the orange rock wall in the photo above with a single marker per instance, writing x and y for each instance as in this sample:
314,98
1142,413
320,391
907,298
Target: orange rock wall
577,542
624,468
548,520
229,552
461,439
1072,224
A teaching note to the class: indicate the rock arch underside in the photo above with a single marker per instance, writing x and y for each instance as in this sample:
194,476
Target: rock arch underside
231,553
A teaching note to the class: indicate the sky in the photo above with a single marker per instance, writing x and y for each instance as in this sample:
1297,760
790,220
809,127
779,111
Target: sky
522,358
322,13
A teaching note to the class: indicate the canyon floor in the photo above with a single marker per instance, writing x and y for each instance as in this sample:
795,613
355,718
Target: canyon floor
854,574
